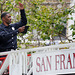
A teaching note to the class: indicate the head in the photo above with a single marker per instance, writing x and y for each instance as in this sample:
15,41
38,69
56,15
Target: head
6,18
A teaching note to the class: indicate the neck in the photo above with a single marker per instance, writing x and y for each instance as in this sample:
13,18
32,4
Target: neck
5,24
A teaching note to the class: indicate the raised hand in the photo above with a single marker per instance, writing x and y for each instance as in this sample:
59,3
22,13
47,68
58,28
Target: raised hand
21,7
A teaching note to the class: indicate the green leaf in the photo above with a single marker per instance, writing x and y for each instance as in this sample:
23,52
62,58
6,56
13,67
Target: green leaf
60,0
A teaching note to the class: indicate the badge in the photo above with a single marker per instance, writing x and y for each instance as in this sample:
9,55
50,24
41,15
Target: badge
13,28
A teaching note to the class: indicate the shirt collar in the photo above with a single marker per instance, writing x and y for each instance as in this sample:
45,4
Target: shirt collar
5,26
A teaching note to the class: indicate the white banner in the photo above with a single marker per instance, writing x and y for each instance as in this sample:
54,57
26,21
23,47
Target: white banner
54,62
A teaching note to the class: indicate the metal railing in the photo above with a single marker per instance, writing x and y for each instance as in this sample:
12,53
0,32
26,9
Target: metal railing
20,63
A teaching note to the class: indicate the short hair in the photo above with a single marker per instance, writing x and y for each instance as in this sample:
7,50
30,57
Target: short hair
4,14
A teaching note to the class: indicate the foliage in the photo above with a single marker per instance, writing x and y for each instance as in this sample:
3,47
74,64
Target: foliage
72,27
46,20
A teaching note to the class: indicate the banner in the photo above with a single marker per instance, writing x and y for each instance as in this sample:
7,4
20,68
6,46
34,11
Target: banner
54,62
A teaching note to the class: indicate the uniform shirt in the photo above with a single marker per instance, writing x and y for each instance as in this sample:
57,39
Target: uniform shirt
8,34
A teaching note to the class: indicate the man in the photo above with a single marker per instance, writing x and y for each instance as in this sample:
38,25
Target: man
8,32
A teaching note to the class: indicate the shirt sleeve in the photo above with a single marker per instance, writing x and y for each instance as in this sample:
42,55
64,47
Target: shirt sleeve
6,36
23,20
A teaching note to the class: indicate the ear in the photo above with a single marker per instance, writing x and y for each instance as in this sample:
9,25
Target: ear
3,18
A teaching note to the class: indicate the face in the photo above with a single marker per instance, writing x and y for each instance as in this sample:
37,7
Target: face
7,19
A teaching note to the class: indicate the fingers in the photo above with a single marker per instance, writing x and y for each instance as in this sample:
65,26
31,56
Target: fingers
20,4
21,29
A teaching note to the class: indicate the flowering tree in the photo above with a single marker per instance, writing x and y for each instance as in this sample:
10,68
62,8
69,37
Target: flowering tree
48,22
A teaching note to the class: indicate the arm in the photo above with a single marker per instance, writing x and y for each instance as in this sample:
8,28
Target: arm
23,20
4,36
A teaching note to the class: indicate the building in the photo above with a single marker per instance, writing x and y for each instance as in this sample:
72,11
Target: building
70,22
56,3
